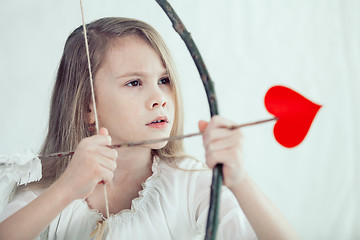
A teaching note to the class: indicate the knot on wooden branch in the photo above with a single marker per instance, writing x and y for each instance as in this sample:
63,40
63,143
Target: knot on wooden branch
179,27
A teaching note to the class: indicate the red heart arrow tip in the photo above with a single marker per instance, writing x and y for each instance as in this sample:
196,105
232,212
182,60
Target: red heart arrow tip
295,115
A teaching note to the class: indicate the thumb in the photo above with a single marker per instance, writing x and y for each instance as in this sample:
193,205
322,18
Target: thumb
103,131
202,125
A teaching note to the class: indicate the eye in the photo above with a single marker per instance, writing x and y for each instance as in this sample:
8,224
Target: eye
134,83
164,80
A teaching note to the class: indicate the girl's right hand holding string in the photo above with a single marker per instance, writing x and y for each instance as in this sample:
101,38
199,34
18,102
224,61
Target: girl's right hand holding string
93,162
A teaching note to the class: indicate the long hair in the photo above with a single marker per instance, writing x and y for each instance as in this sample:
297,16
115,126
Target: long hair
72,94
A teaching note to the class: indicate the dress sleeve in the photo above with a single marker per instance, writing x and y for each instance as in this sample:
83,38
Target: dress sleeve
233,223
21,200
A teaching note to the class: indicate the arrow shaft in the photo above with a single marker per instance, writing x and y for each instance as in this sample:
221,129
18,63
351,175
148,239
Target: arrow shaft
168,139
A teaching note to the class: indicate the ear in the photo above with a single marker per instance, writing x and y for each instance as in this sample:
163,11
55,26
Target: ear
90,113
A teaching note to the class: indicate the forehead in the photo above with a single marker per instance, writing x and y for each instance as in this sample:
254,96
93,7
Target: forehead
132,51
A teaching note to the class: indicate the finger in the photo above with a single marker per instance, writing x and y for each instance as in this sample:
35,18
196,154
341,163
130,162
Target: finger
103,140
106,163
103,131
202,125
225,156
218,121
106,176
232,141
217,134
107,152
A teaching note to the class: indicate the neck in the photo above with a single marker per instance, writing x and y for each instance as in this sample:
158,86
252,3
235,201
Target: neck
133,164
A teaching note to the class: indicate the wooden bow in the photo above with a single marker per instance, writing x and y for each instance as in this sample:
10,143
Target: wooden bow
212,221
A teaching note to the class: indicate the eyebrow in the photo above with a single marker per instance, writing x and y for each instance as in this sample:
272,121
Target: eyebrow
130,74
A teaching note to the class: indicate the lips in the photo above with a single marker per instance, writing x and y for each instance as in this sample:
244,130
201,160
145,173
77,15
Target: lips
158,122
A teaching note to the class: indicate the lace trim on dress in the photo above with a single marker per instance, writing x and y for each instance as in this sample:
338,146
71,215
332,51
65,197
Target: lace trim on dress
138,203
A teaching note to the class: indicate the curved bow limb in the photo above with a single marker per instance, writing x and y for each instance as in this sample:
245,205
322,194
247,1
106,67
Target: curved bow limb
212,221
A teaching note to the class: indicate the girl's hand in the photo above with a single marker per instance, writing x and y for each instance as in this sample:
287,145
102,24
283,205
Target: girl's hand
224,146
91,164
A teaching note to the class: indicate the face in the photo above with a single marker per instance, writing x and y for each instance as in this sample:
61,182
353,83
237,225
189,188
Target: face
133,94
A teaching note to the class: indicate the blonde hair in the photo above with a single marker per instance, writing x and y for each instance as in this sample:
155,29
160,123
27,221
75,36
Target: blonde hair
72,94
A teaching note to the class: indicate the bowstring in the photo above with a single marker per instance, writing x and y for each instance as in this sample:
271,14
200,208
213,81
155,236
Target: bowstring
93,95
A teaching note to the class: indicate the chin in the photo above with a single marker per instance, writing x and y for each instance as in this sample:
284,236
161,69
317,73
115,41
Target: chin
157,146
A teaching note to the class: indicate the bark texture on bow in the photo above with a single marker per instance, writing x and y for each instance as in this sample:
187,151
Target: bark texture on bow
212,221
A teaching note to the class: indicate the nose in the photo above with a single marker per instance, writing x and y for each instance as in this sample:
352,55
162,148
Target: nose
157,99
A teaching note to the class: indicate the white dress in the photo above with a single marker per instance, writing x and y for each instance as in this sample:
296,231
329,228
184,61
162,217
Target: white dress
173,204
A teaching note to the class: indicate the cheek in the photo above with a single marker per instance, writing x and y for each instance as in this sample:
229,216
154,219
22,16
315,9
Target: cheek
124,112
122,123
113,111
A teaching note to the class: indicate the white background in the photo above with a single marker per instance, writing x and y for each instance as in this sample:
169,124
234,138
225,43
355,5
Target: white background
311,46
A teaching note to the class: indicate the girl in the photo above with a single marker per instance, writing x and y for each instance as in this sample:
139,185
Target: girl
149,195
